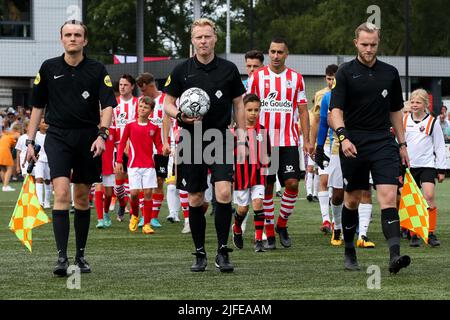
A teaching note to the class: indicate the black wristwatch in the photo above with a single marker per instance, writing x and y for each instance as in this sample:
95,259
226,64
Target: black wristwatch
29,141
103,132
402,144
341,134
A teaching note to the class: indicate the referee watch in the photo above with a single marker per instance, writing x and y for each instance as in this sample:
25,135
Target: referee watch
341,134
103,132
402,144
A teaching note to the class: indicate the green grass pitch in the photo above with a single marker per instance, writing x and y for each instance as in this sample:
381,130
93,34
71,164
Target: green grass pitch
134,266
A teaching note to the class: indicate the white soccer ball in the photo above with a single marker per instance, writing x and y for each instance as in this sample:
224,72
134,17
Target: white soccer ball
194,102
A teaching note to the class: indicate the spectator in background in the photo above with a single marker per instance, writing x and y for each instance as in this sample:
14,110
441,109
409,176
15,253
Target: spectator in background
445,124
9,120
8,141
447,135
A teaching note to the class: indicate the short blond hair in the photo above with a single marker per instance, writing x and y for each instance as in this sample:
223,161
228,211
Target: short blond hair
17,128
203,22
422,95
367,27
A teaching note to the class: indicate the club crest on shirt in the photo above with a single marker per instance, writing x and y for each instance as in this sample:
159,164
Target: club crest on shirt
152,132
384,93
288,84
259,137
422,129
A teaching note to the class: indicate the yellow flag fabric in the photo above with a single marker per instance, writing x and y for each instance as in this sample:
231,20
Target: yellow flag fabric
28,213
413,210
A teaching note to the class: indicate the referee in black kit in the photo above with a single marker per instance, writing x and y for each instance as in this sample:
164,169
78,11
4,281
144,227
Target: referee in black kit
221,80
72,88
365,102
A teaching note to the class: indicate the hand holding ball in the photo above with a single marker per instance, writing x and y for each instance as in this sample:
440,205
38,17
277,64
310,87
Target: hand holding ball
194,102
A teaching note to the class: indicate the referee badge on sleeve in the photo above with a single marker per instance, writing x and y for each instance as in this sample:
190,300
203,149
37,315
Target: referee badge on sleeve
107,81
37,80
167,81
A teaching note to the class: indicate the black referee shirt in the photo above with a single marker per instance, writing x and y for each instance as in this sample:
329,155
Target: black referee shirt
367,95
219,78
72,96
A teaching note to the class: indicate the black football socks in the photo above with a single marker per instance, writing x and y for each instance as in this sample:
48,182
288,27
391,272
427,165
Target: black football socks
61,228
390,223
197,222
81,223
222,221
349,224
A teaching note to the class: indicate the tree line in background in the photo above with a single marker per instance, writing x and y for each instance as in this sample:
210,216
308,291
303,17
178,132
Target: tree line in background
309,26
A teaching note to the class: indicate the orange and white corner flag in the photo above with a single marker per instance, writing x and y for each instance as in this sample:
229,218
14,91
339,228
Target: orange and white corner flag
413,210
28,213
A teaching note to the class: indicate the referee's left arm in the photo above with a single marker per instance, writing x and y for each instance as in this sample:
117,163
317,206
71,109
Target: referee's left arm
239,118
396,117
169,106
98,146
397,123
239,114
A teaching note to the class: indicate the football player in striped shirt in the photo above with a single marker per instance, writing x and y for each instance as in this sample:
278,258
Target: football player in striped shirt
249,176
283,103
427,156
125,111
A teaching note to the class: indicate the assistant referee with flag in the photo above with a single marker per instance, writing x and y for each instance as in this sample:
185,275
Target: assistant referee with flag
365,102
72,88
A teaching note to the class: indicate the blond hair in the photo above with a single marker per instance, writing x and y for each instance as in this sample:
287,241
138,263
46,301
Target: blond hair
422,95
17,128
203,22
367,27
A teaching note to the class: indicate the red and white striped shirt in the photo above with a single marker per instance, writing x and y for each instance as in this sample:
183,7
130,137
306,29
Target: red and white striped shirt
156,117
141,137
253,171
124,113
280,96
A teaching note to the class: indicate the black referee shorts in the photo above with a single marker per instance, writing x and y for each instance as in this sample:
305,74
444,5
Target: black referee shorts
161,163
192,177
69,154
288,160
421,175
378,153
